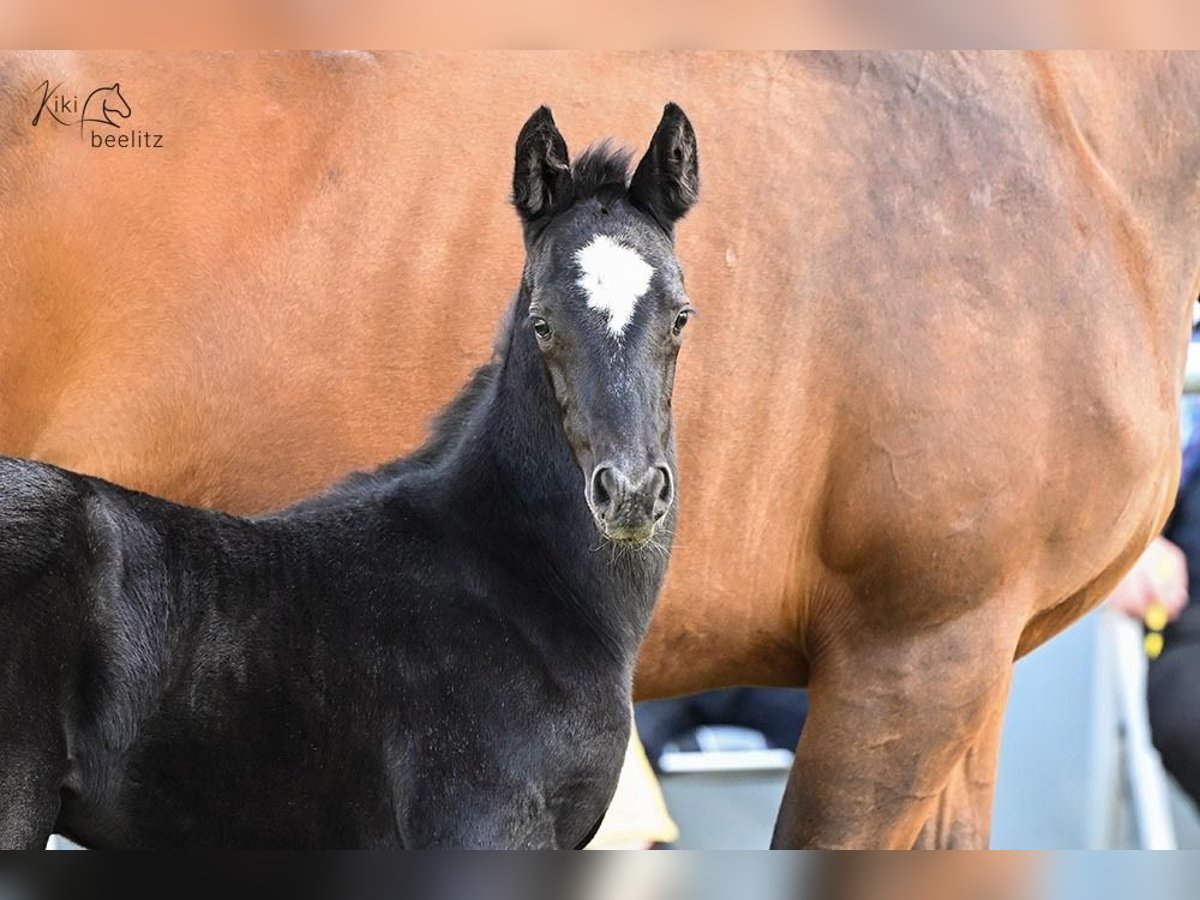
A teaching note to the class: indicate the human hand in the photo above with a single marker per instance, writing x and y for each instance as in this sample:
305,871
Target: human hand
1159,576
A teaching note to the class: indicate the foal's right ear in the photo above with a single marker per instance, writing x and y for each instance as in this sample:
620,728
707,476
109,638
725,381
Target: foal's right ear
542,183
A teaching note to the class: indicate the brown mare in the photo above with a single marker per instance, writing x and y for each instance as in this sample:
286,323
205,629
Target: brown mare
926,420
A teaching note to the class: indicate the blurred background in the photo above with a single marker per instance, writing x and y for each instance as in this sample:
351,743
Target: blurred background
227,24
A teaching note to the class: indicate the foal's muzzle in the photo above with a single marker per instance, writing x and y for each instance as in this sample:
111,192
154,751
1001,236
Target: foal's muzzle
629,505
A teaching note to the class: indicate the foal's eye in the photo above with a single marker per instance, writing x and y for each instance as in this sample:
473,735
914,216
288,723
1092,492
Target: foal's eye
681,320
541,327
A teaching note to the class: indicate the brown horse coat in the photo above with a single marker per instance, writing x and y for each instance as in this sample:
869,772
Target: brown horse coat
927,415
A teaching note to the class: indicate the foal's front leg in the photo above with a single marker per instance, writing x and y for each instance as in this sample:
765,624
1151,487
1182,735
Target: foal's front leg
33,747
30,779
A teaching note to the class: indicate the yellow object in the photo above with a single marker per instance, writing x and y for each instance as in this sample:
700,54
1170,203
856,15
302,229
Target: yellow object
1156,621
1153,644
638,815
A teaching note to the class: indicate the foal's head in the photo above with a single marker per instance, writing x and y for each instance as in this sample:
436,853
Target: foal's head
607,306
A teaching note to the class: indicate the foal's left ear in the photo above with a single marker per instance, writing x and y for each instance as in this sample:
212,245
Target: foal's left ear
666,182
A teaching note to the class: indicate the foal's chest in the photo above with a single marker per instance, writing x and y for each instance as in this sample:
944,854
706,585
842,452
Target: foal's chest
543,782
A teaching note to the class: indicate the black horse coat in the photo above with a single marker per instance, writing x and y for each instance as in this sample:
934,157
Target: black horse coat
439,653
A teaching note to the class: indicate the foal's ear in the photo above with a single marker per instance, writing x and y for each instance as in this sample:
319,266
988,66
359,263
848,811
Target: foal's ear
666,182
542,184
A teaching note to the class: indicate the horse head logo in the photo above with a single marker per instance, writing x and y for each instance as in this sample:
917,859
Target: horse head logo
110,102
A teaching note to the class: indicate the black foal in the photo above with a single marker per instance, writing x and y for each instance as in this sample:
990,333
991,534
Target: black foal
438,653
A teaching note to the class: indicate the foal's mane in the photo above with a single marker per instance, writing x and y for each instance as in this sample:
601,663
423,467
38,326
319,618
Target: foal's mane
451,420
448,425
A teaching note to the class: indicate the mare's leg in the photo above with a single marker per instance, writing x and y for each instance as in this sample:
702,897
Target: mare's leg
893,709
962,819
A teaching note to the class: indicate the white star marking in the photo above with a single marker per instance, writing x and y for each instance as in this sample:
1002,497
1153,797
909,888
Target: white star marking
614,278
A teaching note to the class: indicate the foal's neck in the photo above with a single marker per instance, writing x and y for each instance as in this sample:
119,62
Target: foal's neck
523,488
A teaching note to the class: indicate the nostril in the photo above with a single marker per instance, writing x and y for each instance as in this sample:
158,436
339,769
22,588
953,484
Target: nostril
667,489
601,497
666,492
